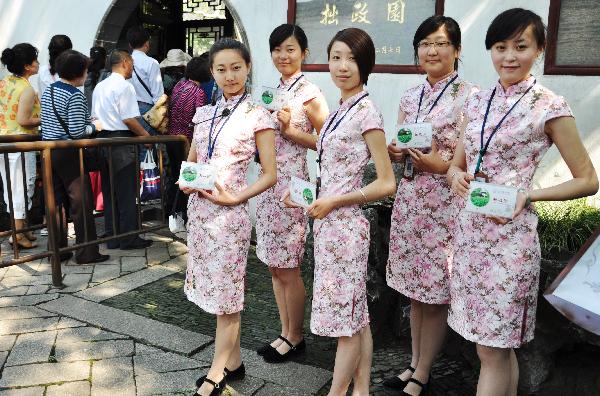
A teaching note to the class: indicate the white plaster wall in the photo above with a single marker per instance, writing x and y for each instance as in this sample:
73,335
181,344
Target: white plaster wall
36,21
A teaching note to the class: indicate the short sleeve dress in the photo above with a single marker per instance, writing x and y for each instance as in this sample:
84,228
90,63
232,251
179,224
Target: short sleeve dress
219,236
495,272
423,215
339,305
281,231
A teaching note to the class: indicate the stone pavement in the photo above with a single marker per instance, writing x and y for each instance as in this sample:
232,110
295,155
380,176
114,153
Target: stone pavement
65,342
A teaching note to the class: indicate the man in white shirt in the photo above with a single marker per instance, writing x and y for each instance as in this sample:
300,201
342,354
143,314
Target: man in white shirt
114,105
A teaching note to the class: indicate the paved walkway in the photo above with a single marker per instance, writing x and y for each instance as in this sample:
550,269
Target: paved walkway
65,342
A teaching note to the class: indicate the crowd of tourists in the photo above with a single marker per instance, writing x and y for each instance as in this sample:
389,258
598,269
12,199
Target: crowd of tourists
477,273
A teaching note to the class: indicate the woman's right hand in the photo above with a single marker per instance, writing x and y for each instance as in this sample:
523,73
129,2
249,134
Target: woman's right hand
287,201
460,183
98,125
396,154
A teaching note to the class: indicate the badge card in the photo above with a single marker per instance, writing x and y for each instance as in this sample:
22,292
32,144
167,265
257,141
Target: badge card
197,176
302,192
414,135
491,199
274,98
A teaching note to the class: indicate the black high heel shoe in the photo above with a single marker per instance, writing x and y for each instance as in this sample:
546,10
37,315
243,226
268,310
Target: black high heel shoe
275,357
395,382
218,387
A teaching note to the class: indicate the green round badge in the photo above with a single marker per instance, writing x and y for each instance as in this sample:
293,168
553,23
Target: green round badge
189,174
404,135
480,197
267,97
307,195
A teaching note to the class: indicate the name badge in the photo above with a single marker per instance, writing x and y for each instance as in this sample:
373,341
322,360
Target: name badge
197,176
491,199
274,98
302,192
414,135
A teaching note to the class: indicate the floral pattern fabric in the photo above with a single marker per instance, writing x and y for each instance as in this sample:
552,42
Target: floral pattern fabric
219,236
339,306
495,274
281,231
423,216
11,88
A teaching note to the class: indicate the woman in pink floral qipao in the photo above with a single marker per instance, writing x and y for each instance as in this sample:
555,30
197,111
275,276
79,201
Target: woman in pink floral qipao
350,137
226,137
281,231
495,272
422,218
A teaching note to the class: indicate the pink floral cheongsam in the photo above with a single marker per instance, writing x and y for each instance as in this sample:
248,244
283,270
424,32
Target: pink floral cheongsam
423,214
495,273
281,231
219,236
339,306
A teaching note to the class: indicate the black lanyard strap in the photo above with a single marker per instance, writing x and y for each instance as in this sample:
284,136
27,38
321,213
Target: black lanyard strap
335,126
294,83
212,142
484,147
436,99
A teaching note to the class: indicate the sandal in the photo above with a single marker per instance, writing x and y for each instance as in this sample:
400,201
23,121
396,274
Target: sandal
424,387
22,242
395,382
275,357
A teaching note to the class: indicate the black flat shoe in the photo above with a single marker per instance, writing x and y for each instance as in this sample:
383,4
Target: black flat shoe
218,387
237,374
139,243
267,347
395,382
276,357
424,387
98,259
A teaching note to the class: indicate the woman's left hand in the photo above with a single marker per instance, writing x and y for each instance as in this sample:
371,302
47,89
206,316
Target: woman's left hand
431,162
220,196
321,207
284,116
520,205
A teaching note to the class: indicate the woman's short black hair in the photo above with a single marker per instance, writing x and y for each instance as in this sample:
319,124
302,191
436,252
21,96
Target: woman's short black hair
225,44
512,23
58,44
71,64
137,36
431,25
197,70
362,48
283,32
16,58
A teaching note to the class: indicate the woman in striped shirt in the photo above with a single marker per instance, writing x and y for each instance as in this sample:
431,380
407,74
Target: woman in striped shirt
65,116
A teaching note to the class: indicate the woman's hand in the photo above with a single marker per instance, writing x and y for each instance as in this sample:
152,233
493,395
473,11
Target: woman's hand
431,162
396,154
287,201
321,207
97,124
284,116
519,206
220,196
460,183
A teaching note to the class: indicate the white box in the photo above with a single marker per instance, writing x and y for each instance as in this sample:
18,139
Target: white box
302,192
197,176
414,135
491,199
274,99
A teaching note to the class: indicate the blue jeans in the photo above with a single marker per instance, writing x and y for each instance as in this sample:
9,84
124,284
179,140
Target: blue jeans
144,108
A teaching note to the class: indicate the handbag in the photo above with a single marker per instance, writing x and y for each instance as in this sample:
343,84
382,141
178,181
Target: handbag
158,116
149,178
91,155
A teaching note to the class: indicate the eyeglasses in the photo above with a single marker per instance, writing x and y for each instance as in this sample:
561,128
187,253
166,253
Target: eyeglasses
436,44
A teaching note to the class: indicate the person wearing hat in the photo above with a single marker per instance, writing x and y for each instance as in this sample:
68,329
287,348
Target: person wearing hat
173,68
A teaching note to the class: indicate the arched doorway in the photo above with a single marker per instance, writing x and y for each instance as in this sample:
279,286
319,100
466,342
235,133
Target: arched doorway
191,25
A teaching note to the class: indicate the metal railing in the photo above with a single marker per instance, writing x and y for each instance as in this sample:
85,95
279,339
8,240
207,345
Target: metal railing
28,143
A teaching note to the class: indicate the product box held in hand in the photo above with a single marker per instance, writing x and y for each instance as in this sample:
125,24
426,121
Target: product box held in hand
197,176
414,135
274,99
302,192
491,199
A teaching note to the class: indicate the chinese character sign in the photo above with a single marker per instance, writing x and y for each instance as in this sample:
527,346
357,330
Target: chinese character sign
390,23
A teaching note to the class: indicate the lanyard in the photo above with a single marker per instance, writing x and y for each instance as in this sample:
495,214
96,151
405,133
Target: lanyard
335,127
212,142
436,99
294,83
484,148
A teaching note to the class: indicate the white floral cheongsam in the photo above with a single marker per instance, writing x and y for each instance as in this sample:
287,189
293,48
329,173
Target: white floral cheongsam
219,236
423,216
281,231
339,306
495,273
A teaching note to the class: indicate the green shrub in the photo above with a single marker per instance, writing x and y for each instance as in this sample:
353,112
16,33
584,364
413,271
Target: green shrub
565,226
